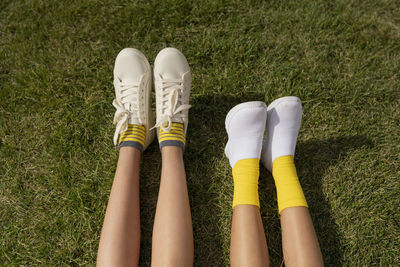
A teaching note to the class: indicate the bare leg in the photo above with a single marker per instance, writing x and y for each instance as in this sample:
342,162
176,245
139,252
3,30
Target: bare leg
120,236
172,232
299,241
248,244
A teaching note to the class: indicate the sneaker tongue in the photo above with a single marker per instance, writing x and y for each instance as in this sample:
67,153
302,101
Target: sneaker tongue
128,79
177,120
172,75
132,120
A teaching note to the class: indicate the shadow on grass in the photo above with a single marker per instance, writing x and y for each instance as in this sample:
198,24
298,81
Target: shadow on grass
206,139
205,148
207,182
313,159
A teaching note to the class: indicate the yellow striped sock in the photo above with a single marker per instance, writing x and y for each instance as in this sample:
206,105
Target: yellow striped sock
288,188
134,136
174,137
245,180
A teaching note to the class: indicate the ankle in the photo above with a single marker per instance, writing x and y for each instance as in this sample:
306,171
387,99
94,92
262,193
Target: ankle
171,151
173,135
245,179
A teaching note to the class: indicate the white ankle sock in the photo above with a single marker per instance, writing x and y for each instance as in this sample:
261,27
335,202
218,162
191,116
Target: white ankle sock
245,125
283,125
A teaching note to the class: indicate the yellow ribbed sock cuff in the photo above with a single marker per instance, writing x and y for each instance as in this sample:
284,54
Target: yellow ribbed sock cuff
174,137
245,180
134,136
288,188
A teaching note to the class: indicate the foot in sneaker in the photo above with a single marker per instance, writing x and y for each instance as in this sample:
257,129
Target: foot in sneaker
172,80
245,125
283,125
132,82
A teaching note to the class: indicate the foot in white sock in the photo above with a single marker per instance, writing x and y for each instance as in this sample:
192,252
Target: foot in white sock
283,125
245,125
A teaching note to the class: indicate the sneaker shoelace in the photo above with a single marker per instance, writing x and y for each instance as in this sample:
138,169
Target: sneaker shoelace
129,94
171,100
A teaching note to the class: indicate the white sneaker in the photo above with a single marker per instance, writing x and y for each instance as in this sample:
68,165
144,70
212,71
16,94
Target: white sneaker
132,82
172,80
283,125
245,125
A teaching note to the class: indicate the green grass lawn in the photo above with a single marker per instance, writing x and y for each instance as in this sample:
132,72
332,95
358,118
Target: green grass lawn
57,160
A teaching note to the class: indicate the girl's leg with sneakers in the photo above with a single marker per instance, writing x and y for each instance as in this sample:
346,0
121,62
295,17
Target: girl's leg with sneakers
172,232
120,236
